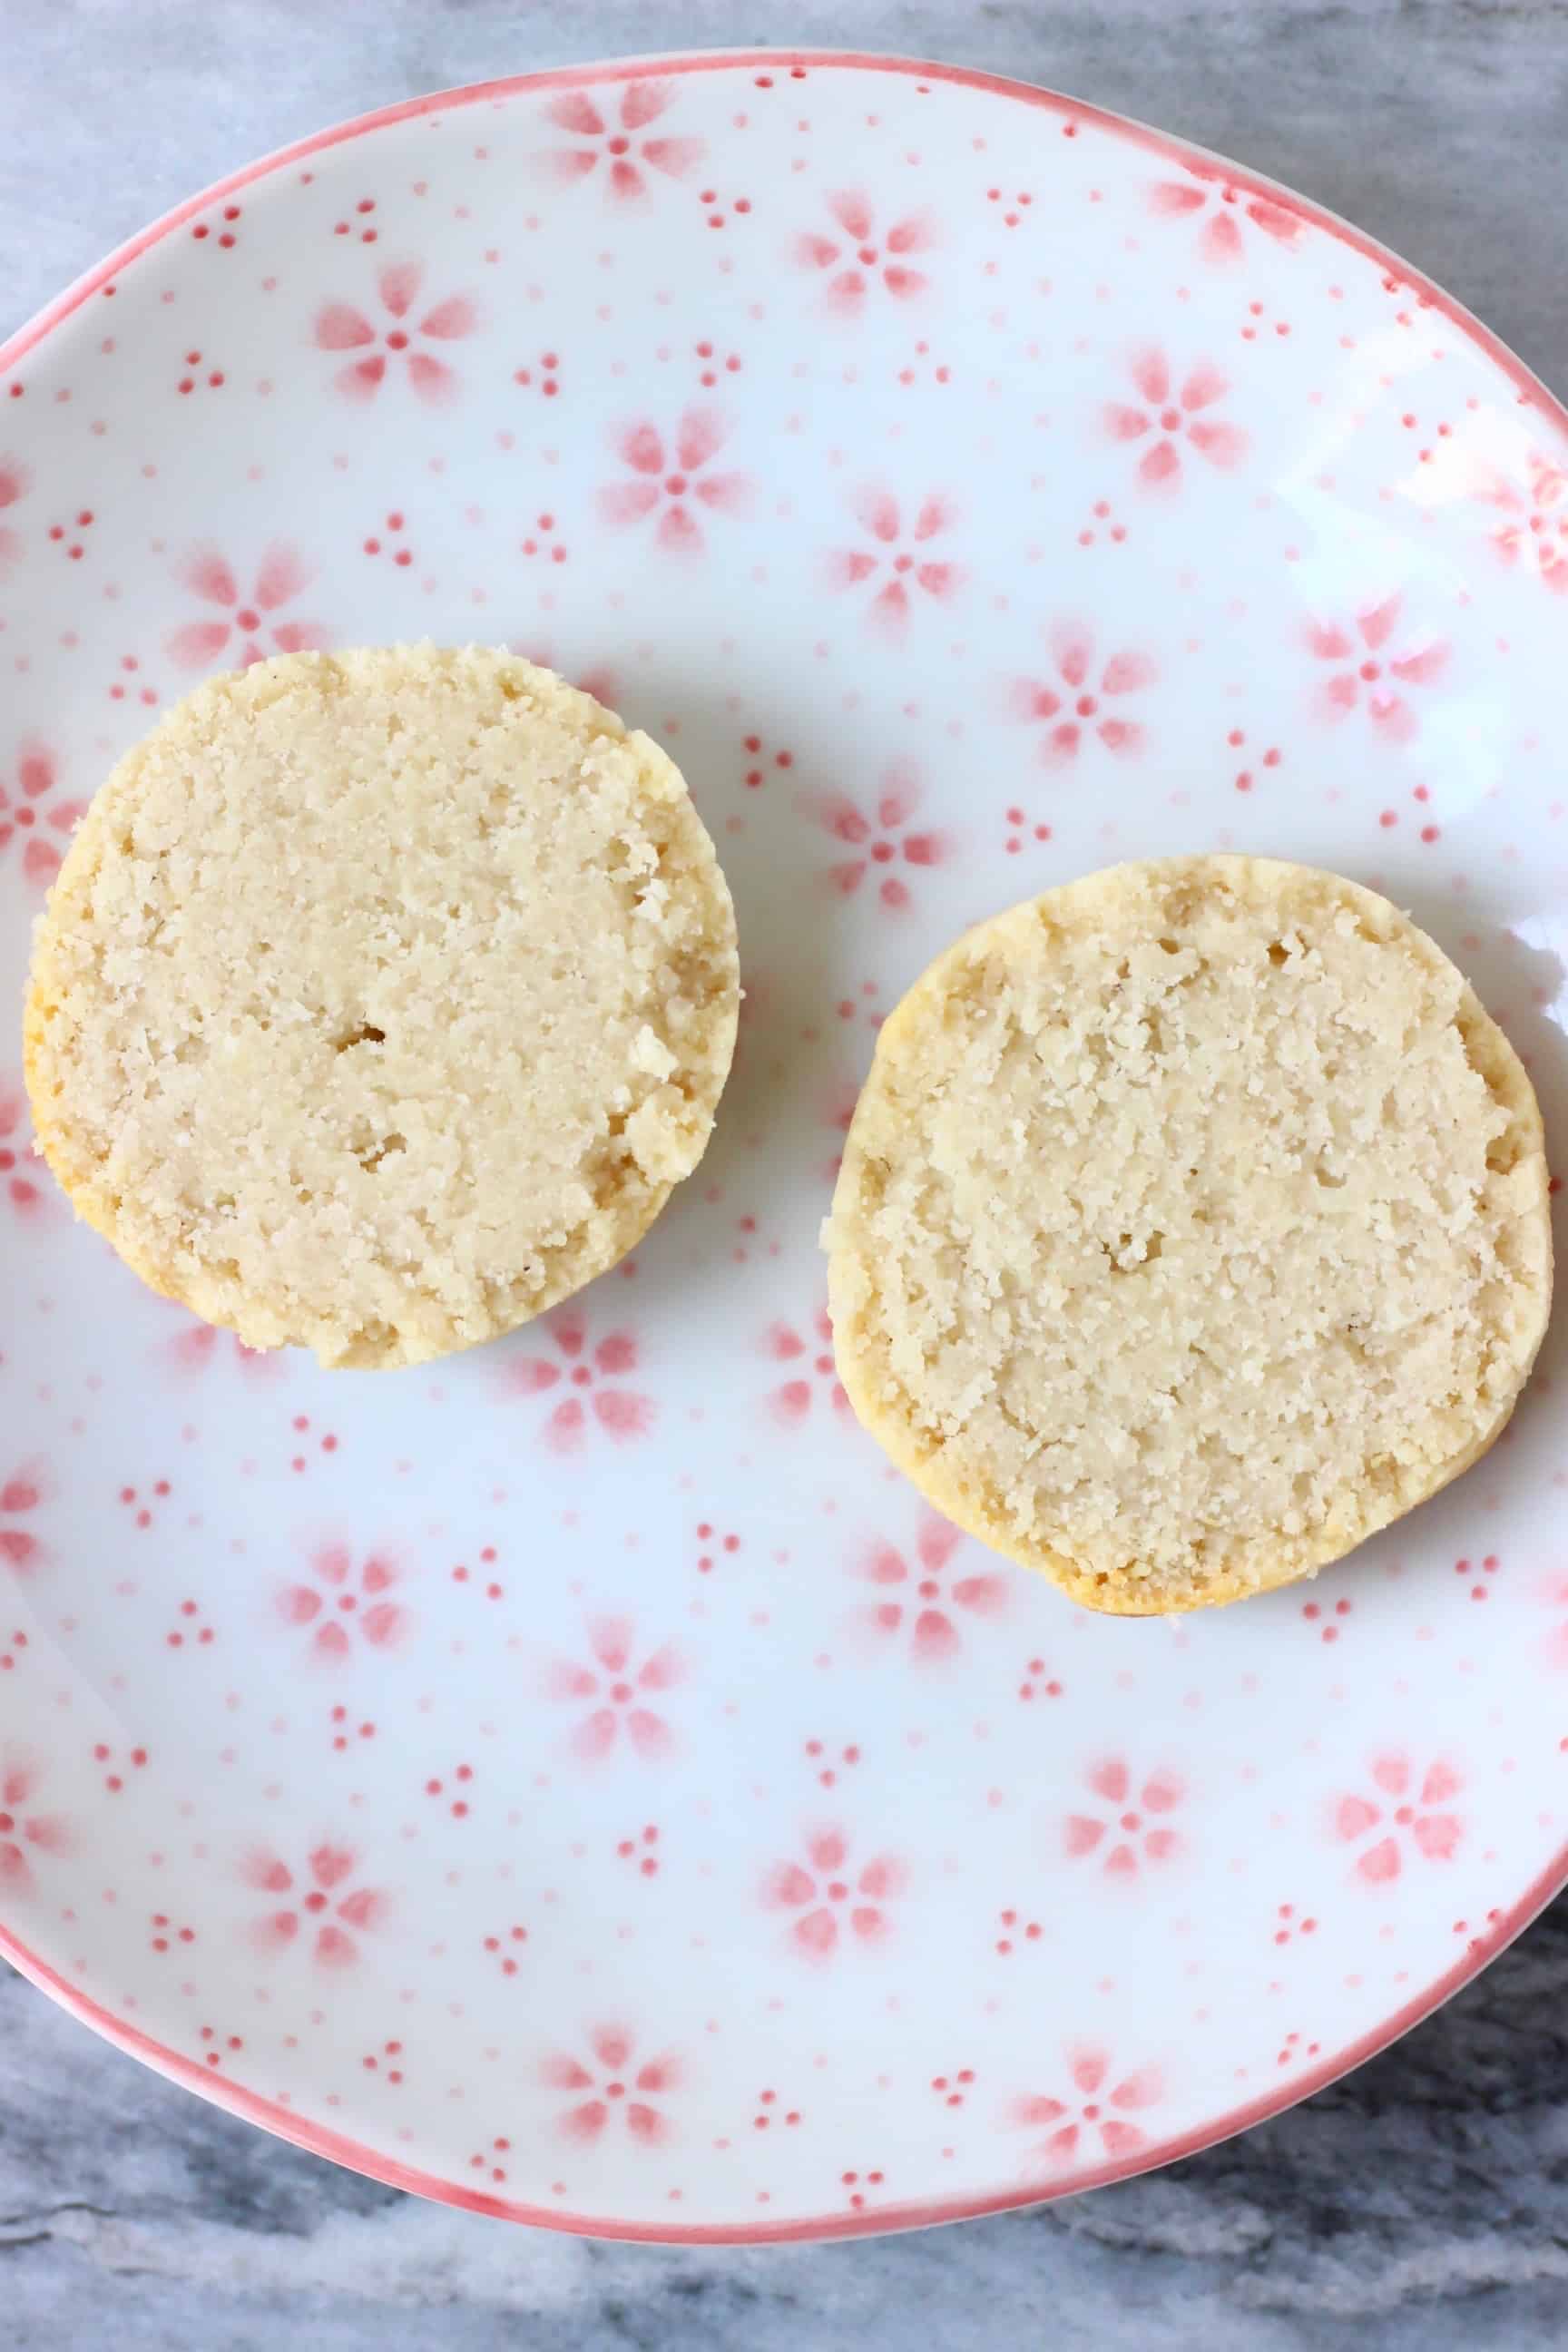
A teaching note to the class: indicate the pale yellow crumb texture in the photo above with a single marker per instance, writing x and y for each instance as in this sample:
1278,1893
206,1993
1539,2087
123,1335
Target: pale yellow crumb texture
382,999
1193,1224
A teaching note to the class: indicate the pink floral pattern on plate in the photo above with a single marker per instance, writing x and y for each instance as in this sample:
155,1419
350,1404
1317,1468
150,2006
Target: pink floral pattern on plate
617,1693
21,1546
834,1901
859,258
594,1374
24,1193
1096,2105
1083,702
615,2087
923,1608
344,1602
1407,1812
320,1905
881,836
28,806
429,1763
1222,209
607,135
1535,533
1370,674
29,1836
670,476
249,633
402,346
15,483
896,557
1130,1828
1171,418
804,1353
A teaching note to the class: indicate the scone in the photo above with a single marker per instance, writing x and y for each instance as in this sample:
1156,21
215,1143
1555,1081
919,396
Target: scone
1192,1225
382,999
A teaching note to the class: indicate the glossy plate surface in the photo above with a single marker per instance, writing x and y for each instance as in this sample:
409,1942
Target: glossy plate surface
581,1781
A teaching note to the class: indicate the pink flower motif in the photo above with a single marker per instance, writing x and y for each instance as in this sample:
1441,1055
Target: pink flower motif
791,1402
1390,714
1410,1815
26,1198
922,1597
827,1897
1072,708
20,1497
343,1604
895,559
1095,2107
869,259
641,102
339,1911
1134,1840
614,2085
15,483
200,1346
340,328
1174,418
1536,534
621,1413
25,1836
281,576
884,838
21,813
671,483
616,1693
1224,208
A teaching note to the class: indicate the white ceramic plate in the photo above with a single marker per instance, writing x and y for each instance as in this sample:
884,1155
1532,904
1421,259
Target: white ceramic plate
581,1782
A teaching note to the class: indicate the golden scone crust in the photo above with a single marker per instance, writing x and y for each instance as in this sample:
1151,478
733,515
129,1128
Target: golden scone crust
382,999
1192,1226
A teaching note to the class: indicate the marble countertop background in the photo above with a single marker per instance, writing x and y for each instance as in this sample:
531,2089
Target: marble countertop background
1423,2202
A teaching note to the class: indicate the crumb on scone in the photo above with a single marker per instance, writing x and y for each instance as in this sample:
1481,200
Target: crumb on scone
382,998
1193,1225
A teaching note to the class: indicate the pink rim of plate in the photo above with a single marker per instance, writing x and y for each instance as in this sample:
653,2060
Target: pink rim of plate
320,2138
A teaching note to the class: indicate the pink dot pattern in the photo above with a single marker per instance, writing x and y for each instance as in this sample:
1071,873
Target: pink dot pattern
579,1780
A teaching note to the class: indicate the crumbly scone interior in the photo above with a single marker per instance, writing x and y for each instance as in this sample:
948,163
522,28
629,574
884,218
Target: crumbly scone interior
1193,1222
382,999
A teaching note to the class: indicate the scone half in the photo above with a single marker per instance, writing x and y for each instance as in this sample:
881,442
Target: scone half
1192,1226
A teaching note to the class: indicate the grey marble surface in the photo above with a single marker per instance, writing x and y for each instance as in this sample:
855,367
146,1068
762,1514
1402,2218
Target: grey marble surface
1422,2203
